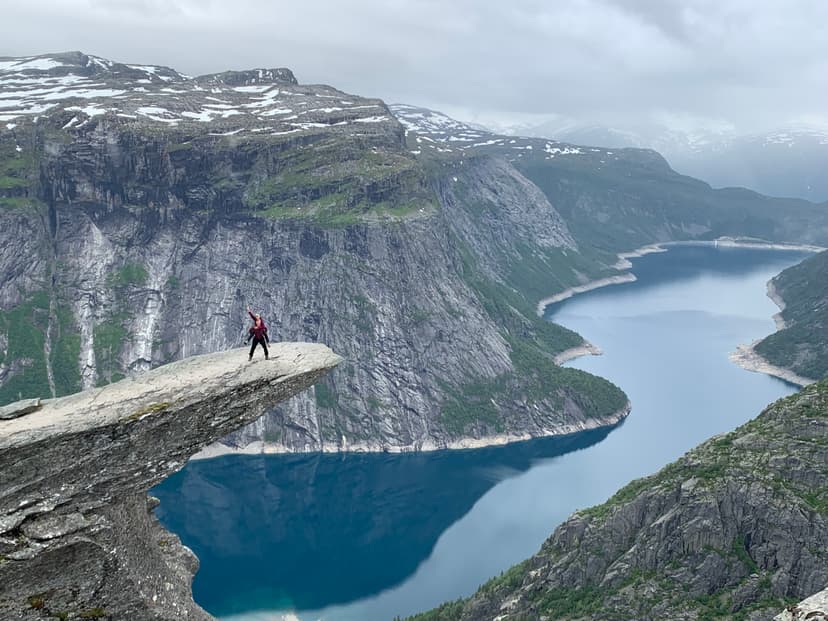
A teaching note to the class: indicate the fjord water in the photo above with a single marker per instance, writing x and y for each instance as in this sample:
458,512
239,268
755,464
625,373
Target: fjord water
368,537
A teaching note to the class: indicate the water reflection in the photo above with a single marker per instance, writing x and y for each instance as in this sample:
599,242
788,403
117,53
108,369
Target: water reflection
368,537
308,531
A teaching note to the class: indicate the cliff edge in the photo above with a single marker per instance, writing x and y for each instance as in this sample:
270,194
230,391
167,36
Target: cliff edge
77,534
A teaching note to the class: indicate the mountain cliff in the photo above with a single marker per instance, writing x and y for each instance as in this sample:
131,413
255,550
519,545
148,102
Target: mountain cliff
801,344
78,539
142,210
153,207
623,198
736,529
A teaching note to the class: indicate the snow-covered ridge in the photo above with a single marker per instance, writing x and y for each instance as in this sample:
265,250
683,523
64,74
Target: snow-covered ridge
437,132
78,88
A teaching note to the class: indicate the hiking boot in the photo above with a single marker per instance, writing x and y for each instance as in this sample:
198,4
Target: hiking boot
249,358
267,357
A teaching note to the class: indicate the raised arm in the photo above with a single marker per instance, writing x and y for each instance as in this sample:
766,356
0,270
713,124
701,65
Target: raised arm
250,312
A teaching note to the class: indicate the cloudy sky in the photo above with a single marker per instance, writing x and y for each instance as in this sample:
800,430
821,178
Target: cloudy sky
750,64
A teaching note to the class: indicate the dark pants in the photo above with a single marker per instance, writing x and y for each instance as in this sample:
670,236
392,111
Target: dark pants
256,341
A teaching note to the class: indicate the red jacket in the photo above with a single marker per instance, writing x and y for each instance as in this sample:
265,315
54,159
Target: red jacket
257,332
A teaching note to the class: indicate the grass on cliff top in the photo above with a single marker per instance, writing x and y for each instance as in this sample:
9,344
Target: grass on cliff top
334,184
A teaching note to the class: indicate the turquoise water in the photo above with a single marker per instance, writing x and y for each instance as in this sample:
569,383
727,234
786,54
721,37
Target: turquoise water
365,537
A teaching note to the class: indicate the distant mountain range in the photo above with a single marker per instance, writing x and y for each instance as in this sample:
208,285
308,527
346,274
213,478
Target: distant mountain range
789,161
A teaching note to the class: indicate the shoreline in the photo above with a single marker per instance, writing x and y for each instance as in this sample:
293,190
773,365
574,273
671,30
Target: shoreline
624,263
618,279
744,357
749,359
267,448
586,349
773,294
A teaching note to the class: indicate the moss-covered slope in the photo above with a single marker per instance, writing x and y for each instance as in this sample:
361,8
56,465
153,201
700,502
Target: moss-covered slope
802,345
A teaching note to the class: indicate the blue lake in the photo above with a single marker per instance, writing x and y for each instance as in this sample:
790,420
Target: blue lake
369,537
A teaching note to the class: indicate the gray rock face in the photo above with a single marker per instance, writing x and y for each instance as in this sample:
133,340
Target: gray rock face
814,608
147,232
77,534
737,528
19,408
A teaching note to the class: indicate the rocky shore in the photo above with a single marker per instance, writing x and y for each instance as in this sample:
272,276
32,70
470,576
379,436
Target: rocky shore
564,429
746,357
749,359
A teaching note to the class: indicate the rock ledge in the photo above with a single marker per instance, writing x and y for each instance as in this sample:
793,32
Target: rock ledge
77,534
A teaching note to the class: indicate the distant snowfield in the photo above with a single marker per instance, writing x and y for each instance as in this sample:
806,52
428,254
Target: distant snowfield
440,133
34,86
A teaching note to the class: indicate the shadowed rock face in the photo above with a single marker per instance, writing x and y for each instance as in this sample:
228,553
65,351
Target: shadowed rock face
77,534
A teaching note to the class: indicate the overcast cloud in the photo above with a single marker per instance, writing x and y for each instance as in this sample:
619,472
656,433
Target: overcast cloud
751,64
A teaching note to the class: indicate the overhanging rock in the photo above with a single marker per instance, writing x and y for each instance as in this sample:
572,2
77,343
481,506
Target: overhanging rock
77,535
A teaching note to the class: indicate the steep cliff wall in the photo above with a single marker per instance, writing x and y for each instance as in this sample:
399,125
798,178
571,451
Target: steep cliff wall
736,529
146,238
77,534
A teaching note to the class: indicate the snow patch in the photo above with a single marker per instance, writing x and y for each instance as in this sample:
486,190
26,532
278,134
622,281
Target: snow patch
371,119
38,64
204,116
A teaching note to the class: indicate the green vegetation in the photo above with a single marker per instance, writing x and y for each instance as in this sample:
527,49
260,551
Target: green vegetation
366,314
536,378
8,183
65,353
572,603
474,404
18,202
334,184
153,408
739,550
272,435
26,326
37,601
450,611
15,168
633,198
803,345
510,579
93,613
131,274
109,337
325,396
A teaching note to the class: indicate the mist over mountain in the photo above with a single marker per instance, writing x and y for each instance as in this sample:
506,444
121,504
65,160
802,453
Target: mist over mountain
787,161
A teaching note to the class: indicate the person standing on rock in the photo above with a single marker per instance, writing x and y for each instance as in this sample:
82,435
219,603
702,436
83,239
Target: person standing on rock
257,332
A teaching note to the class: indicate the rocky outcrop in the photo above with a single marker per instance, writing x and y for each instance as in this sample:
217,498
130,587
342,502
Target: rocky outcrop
77,534
737,529
814,608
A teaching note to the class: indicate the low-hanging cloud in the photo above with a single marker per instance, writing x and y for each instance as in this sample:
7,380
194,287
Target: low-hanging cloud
746,63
